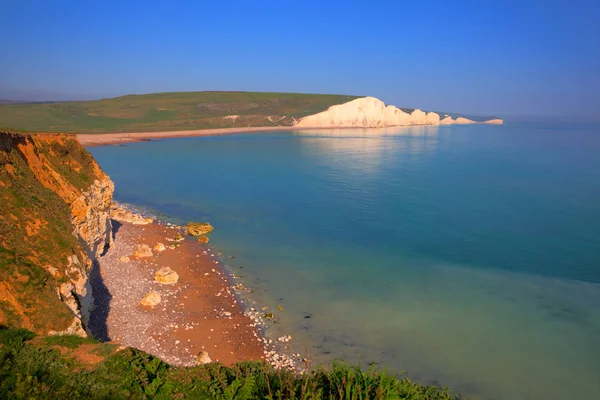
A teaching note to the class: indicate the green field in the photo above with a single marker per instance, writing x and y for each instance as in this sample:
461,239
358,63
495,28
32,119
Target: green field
167,112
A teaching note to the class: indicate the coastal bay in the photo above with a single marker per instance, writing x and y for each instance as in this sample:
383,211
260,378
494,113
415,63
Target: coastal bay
300,200
444,287
87,284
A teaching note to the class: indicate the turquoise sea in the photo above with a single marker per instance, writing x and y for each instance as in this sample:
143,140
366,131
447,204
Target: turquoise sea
468,256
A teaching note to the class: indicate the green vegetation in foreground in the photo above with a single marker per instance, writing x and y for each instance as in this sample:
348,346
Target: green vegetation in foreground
167,112
60,367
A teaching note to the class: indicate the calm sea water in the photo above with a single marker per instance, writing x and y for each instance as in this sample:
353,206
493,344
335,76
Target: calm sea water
466,255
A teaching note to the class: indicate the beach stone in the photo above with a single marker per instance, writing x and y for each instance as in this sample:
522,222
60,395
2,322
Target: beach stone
159,247
124,215
178,237
150,299
166,276
142,250
203,358
203,239
199,228
124,259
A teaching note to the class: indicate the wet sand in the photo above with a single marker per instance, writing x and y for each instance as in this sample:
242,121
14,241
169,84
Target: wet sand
198,313
100,139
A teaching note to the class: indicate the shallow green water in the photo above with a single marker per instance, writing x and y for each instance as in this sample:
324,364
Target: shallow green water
466,255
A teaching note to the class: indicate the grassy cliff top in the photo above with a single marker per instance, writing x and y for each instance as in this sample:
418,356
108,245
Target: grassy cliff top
167,112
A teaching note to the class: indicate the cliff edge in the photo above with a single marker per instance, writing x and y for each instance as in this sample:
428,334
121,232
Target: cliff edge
54,223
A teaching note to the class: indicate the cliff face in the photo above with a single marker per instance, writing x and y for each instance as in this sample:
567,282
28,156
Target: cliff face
369,112
54,222
460,120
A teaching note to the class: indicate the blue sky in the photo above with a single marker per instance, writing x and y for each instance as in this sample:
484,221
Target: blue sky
526,57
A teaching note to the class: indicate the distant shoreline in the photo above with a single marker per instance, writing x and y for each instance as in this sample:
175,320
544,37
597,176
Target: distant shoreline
106,139
103,139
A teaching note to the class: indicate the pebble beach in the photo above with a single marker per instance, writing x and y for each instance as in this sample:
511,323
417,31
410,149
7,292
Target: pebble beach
166,293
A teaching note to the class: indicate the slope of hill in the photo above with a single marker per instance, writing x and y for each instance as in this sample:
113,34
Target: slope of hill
167,112
54,201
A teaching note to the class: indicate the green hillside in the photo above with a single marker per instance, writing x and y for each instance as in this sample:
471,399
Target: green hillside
167,112
69,367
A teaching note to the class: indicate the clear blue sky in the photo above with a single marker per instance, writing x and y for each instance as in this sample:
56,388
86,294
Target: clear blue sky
501,57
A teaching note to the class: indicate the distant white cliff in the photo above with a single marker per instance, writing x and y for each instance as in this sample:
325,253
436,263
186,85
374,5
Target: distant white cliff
370,112
460,120
496,121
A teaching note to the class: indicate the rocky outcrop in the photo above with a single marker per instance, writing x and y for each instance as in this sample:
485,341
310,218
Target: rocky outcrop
124,215
369,112
90,219
54,223
199,228
203,239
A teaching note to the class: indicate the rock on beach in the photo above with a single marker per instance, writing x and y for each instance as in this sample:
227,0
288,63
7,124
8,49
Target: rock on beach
150,299
123,214
142,250
203,239
203,358
166,276
199,228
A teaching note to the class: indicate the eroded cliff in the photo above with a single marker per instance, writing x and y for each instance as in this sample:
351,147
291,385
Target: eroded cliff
367,112
370,112
54,223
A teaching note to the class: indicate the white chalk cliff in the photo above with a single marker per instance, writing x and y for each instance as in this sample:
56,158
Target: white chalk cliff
447,120
370,112
495,121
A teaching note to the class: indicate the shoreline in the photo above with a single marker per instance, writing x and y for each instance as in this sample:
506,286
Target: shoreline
204,311
103,139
